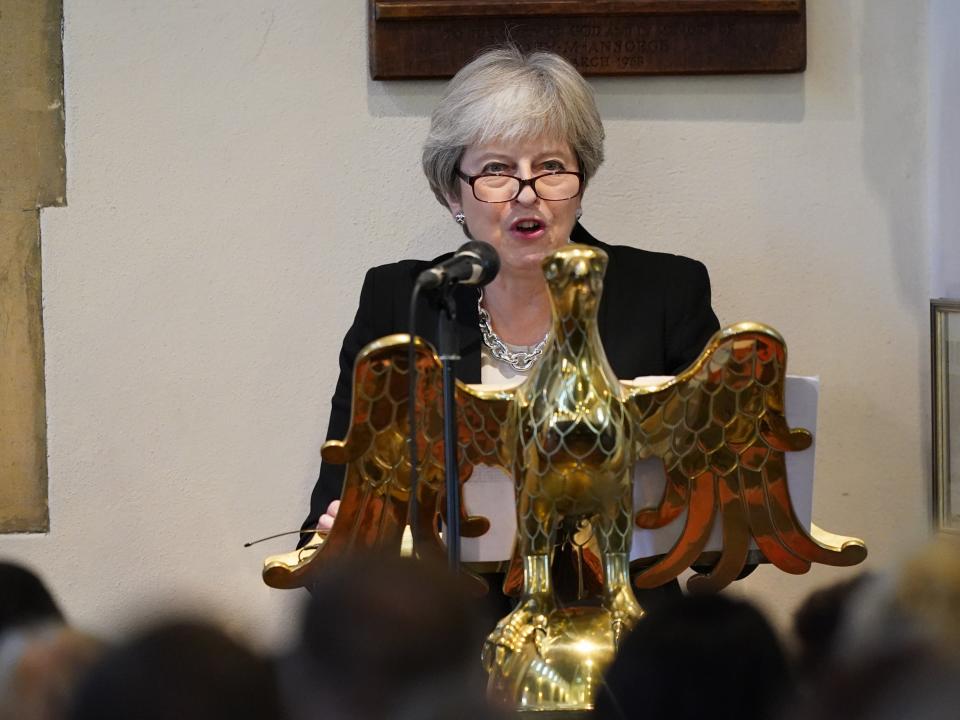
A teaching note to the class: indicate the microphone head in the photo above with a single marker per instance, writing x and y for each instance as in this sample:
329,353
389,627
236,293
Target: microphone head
487,258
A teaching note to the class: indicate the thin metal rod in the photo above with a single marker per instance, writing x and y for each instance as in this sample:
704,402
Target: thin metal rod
451,467
413,508
449,346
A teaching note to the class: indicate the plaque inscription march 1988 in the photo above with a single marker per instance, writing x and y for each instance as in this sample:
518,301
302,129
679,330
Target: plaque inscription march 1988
434,38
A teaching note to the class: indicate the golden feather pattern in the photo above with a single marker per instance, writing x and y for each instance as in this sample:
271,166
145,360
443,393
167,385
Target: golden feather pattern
721,433
376,491
569,436
719,429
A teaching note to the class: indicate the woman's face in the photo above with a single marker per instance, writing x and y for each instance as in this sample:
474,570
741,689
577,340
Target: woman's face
526,229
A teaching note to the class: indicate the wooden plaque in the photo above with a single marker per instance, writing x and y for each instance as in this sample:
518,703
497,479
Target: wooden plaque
435,38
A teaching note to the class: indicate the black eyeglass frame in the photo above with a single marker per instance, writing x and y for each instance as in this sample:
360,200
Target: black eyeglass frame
532,182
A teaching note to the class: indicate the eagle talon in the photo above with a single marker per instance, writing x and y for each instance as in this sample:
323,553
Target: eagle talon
621,628
526,623
621,603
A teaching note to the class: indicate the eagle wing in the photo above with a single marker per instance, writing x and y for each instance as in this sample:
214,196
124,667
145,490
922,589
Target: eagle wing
374,502
720,430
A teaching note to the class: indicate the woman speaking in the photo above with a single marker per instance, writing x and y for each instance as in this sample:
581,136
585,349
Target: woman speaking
512,146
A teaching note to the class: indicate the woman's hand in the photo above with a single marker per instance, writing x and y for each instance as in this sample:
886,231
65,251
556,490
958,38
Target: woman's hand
326,520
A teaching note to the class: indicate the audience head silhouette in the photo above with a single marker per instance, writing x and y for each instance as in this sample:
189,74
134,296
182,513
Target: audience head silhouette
699,657
24,599
387,638
179,670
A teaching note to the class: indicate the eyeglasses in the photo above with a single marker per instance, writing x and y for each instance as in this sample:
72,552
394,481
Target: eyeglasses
504,188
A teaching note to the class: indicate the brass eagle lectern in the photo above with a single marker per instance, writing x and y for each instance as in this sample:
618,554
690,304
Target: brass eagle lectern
569,436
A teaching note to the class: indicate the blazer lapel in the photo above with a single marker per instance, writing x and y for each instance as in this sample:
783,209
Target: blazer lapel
468,321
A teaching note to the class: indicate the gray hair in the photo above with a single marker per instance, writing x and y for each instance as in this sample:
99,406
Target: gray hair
506,95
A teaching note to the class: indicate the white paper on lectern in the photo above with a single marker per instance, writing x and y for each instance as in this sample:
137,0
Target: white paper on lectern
489,491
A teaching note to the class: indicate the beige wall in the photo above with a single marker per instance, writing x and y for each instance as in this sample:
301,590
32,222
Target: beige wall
232,174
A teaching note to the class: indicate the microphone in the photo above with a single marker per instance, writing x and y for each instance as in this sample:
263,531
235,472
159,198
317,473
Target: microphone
475,263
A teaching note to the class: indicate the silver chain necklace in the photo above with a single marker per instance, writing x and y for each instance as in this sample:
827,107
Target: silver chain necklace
518,360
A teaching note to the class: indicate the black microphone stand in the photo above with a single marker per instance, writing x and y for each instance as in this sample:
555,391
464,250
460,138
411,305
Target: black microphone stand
448,343
475,263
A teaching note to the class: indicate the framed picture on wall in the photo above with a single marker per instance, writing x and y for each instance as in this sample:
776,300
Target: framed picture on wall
945,355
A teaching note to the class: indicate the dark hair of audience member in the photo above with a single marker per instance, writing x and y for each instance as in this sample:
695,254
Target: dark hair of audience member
179,670
817,622
699,657
24,599
387,637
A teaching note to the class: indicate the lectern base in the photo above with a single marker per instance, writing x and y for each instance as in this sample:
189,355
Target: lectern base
560,678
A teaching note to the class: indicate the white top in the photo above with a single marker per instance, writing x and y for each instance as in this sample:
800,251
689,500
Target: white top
498,372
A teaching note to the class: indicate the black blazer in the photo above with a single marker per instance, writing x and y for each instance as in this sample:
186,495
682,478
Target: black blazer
654,319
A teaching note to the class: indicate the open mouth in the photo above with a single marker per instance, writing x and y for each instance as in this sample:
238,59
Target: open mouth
528,227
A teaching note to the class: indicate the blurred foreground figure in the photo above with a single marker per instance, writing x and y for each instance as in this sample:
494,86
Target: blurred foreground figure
919,605
179,671
387,637
928,592
897,651
704,656
819,621
40,668
900,683
24,599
